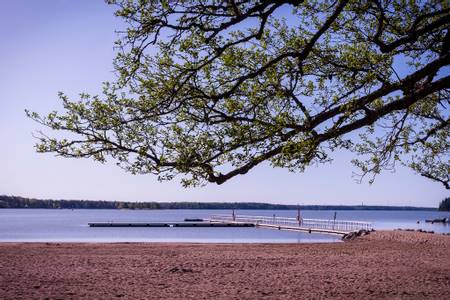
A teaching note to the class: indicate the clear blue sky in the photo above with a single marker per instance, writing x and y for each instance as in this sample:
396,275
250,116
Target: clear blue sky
65,45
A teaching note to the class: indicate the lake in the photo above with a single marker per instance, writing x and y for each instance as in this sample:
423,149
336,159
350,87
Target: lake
64,225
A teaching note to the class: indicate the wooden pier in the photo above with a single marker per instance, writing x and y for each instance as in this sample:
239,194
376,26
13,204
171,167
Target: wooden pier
171,224
338,227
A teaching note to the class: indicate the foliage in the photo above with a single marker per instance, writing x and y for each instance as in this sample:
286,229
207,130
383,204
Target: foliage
211,89
445,204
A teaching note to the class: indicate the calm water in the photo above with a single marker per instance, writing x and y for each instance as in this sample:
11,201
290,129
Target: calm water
46,225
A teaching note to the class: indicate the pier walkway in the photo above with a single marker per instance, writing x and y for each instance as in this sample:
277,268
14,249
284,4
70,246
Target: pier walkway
171,224
339,227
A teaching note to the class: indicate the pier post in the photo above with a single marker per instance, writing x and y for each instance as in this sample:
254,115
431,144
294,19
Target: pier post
299,218
334,219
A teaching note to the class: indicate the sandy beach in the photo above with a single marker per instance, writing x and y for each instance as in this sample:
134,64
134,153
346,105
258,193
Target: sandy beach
382,265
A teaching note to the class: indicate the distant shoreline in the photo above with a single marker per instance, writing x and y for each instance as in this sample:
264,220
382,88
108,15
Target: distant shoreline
16,202
339,208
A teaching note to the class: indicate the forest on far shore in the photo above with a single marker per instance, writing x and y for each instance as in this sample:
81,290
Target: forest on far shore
445,204
21,202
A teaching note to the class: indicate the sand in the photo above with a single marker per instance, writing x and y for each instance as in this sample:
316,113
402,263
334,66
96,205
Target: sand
382,265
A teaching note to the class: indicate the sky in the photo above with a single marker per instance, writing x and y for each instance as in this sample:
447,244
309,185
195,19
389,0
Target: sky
63,45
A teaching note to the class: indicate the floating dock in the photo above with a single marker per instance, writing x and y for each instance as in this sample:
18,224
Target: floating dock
170,224
443,220
336,227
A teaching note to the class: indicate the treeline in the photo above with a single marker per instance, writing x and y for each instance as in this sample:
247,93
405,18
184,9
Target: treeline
20,202
445,204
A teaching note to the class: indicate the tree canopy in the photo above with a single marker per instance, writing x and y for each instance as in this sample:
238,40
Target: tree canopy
445,204
210,89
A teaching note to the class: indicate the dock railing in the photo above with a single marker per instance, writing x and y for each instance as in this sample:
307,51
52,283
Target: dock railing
336,225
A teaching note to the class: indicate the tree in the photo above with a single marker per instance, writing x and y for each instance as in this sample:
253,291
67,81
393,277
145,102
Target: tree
445,204
211,89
